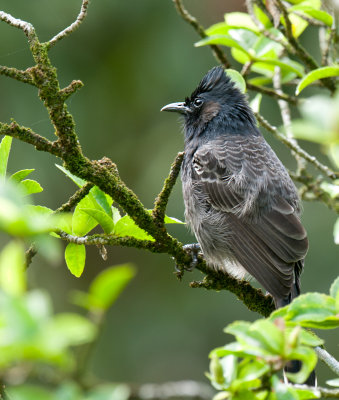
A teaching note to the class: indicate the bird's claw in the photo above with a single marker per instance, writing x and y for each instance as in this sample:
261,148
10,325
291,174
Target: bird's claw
193,250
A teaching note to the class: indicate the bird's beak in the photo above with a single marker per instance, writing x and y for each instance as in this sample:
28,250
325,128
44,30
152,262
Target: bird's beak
181,108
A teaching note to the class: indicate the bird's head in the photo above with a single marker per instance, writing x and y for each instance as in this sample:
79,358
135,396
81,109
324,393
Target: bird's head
216,103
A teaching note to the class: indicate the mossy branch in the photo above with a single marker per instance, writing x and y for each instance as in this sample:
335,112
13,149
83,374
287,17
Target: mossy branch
161,201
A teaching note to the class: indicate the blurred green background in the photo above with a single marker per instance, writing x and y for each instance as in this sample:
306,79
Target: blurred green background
135,57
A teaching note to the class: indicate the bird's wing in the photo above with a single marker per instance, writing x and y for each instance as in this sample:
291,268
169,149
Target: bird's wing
237,177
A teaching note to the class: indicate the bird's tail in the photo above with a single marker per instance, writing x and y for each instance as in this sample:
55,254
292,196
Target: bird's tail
294,366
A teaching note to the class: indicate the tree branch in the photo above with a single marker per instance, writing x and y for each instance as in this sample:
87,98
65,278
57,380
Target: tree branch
287,122
28,136
19,75
295,147
161,201
74,26
328,359
273,93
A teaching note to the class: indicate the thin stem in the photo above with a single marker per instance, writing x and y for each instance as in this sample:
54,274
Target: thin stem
161,201
75,25
296,148
286,118
27,135
75,199
328,359
273,93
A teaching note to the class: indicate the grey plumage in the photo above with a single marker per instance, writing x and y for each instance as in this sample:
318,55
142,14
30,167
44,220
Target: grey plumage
239,199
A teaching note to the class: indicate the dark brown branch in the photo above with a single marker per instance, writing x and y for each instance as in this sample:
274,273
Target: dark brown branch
218,53
161,201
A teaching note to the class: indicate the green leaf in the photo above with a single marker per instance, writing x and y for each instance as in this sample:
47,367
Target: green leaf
172,220
12,270
320,73
115,215
101,217
78,181
105,288
336,232
237,78
20,175
127,227
313,310
240,20
309,338
29,186
320,15
308,358
287,66
75,256
298,24
82,222
69,329
104,200
5,148
334,290
261,16
222,40
333,382
219,28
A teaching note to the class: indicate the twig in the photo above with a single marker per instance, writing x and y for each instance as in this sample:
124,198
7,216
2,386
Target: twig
22,76
299,49
161,201
75,199
70,89
286,118
273,93
296,148
218,53
27,135
75,25
312,190
325,44
18,23
328,359
308,19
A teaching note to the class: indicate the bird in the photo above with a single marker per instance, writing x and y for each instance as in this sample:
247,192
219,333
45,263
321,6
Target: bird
240,201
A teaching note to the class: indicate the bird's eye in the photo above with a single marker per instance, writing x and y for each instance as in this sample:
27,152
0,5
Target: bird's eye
197,102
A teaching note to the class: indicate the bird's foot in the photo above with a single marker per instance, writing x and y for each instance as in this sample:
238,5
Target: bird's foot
193,250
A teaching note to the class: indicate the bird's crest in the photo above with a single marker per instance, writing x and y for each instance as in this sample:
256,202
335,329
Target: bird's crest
214,78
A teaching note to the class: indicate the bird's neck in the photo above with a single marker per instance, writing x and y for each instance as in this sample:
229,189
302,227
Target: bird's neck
237,121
